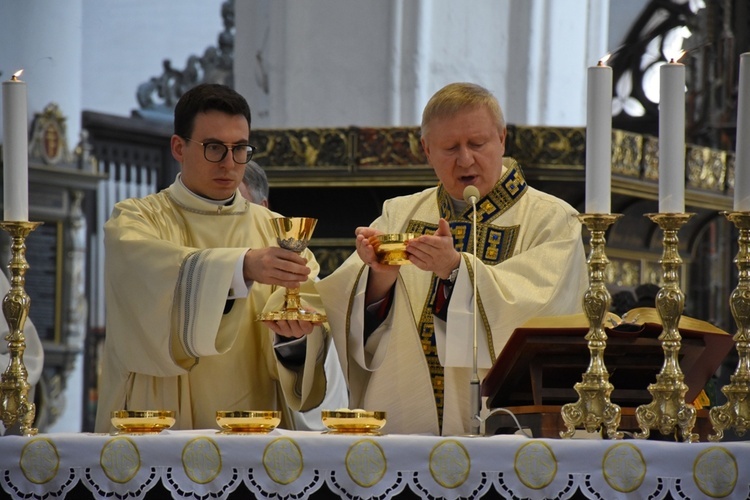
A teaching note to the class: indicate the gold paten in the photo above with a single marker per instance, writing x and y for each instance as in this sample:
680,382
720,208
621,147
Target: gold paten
14,385
344,421
735,413
247,422
293,233
142,421
668,410
594,408
390,249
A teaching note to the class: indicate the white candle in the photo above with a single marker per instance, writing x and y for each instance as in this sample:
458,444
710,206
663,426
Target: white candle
15,151
599,139
672,138
742,159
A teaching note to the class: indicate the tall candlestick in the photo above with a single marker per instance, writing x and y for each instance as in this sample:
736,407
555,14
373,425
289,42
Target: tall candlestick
599,139
672,138
15,150
742,160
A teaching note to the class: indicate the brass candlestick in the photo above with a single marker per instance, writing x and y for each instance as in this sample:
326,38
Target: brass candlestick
14,385
593,408
293,233
668,409
736,411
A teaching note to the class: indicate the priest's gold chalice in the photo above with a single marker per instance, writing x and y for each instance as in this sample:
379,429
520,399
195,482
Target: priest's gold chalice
293,233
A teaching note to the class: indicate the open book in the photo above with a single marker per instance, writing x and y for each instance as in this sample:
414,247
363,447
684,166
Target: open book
631,321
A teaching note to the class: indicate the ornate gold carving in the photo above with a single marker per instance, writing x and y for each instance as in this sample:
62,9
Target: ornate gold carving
282,460
39,460
366,462
594,408
668,409
627,148
201,460
49,143
389,146
120,459
706,168
624,467
651,158
546,145
535,464
311,148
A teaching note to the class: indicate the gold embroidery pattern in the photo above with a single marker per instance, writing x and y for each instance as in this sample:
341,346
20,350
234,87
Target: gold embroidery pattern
120,459
39,461
535,465
715,472
494,244
282,459
201,460
624,467
450,464
366,463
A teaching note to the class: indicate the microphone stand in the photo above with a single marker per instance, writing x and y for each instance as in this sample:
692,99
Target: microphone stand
476,394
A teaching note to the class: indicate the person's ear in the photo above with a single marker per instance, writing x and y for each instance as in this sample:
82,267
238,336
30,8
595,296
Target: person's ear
177,145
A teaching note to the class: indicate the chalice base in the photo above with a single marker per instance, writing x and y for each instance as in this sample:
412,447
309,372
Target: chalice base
294,315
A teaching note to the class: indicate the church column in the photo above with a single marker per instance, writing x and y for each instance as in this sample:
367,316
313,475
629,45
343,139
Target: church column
44,38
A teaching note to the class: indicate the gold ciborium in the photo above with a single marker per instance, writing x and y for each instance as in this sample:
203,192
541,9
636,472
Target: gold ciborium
293,233
668,410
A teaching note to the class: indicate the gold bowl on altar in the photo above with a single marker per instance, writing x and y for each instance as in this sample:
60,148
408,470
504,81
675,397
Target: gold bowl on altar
390,249
142,421
248,422
345,421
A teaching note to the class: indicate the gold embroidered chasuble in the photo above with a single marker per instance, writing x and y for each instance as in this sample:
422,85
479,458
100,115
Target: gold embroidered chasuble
173,340
531,263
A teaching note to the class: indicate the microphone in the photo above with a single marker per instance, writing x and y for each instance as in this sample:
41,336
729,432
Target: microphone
471,195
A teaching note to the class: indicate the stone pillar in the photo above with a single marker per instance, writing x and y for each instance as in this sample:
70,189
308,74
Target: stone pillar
356,62
44,38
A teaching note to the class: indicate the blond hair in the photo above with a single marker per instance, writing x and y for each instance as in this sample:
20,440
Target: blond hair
459,96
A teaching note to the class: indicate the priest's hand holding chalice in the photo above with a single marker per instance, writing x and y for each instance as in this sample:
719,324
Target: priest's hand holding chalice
293,233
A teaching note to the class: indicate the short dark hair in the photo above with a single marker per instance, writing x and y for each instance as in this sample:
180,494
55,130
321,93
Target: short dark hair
207,97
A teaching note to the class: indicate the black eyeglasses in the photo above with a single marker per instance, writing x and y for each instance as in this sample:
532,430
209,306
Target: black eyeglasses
217,151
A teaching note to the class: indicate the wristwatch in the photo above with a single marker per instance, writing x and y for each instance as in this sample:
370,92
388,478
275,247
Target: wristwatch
451,279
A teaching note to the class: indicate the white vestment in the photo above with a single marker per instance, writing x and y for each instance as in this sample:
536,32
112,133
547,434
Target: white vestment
531,263
175,339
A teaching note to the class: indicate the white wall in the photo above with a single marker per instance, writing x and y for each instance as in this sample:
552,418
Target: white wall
126,42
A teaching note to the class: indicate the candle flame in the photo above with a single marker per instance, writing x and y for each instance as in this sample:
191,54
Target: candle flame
17,74
603,60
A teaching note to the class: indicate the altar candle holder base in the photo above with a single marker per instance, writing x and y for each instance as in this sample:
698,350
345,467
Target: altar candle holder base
15,406
293,233
594,408
735,413
668,410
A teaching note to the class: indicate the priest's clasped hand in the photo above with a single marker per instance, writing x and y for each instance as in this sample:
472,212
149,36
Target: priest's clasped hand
275,266
291,329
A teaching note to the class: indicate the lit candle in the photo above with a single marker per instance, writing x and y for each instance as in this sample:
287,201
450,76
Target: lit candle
15,150
599,139
672,138
742,158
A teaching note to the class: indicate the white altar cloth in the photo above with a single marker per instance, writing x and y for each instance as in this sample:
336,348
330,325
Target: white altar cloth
293,464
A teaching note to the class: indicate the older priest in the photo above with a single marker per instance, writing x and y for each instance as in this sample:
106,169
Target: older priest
404,333
188,270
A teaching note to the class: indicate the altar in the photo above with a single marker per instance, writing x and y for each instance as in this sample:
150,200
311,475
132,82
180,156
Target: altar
301,465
